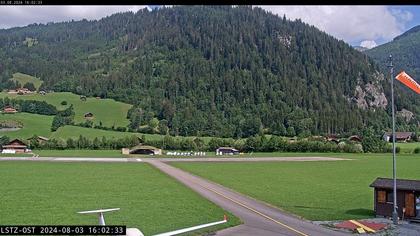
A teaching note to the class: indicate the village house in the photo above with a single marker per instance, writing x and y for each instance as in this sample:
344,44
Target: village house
355,138
408,198
399,136
226,151
24,91
9,110
332,138
15,146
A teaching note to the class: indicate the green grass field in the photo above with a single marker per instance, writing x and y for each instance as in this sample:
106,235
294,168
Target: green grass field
408,147
79,153
32,124
24,78
313,190
52,193
107,111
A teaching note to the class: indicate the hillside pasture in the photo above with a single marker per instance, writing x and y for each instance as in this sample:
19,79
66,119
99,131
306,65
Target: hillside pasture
32,124
24,78
108,111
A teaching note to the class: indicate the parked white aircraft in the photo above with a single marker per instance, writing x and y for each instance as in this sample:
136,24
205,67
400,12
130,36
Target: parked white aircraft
137,232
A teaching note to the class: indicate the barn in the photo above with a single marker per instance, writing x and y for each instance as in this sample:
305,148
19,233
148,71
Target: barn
408,197
9,110
399,136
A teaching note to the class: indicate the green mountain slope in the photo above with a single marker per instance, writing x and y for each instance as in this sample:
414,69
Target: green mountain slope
405,50
201,70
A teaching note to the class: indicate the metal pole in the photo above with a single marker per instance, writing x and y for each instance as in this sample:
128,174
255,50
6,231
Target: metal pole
394,162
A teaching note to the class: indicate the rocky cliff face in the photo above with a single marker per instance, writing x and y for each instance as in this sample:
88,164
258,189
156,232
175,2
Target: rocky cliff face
370,95
405,114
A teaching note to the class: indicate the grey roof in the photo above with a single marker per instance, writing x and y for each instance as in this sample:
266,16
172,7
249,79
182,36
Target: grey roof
402,184
400,134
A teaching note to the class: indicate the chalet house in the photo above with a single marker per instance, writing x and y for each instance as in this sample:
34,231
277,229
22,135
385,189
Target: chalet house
15,146
88,115
399,136
355,138
23,91
226,151
39,139
333,138
143,150
408,198
9,110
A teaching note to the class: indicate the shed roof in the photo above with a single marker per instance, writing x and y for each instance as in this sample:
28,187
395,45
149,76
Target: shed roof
402,184
144,147
228,148
400,134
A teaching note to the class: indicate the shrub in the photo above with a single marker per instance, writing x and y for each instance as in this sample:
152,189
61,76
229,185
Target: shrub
64,103
416,150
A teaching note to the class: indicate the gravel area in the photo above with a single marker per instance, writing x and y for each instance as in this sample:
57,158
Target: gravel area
404,228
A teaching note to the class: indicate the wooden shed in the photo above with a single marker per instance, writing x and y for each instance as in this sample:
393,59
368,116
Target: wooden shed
408,197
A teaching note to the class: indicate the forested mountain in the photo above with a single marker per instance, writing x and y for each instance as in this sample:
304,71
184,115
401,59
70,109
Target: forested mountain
405,50
202,70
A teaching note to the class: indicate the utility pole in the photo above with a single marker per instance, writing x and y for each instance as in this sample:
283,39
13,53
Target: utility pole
394,162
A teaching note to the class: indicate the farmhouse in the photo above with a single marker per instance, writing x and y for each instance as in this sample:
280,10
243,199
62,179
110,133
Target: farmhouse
226,151
9,110
41,139
144,150
23,91
15,146
399,136
332,138
408,197
355,138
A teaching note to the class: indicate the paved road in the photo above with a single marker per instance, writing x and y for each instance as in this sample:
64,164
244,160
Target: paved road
258,218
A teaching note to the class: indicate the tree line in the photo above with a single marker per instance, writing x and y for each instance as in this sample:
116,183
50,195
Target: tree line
217,71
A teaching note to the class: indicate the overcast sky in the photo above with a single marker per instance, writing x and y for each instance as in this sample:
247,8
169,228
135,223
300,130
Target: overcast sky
367,26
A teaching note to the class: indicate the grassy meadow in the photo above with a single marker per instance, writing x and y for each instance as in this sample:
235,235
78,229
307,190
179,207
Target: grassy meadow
108,111
79,153
51,193
408,147
32,124
24,78
313,190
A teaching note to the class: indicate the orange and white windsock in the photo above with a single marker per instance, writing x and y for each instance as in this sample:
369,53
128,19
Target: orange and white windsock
408,81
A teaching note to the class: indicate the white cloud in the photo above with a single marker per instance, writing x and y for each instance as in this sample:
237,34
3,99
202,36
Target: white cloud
368,44
352,24
11,16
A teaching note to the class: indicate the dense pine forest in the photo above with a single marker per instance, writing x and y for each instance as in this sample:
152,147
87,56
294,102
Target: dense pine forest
215,71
